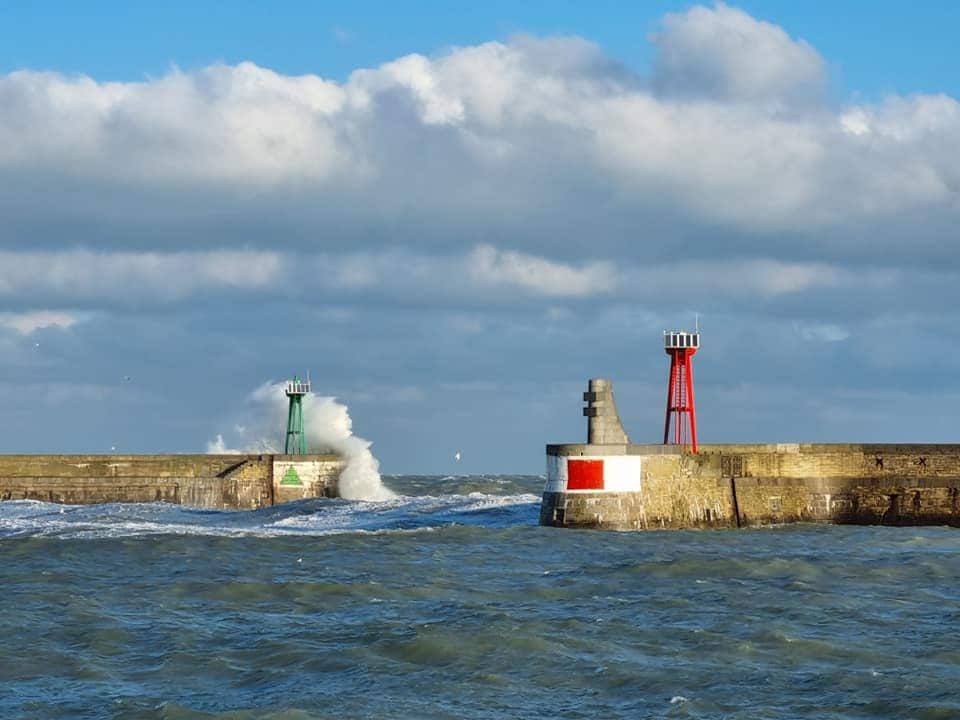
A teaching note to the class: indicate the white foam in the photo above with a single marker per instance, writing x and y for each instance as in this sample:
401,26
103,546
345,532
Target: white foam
401,514
328,428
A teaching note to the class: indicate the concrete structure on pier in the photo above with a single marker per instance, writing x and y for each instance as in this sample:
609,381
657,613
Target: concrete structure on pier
612,483
235,482
603,421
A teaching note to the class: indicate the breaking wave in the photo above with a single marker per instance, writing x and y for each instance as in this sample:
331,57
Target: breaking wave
327,426
320,516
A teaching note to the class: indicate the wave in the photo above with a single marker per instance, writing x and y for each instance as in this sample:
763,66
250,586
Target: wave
327,426
321,516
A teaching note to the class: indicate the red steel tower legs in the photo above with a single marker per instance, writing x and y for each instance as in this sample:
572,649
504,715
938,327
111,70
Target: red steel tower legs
681,347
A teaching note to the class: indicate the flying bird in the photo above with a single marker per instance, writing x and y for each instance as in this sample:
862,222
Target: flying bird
456,456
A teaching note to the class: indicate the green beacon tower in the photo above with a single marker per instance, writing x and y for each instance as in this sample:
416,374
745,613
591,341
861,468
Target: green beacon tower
296,442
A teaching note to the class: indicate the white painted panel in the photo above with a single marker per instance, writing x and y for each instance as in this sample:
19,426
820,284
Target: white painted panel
302,473
621,473
556,474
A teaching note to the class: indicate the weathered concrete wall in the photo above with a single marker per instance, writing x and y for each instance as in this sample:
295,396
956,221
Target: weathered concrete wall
741,485
295,478
237,482
670,489
871,484
610,483
250,484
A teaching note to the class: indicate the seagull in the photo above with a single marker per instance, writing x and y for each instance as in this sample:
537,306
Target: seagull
126,378
457,456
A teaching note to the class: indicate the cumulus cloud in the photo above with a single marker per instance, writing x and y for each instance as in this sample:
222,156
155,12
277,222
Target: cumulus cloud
529,144
722,53
219,123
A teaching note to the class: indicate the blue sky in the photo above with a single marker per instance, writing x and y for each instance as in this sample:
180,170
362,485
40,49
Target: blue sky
454,216
875,46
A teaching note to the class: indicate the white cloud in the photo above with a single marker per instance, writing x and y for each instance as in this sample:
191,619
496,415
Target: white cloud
822,332
29,322
491,267
482,273
167,277
238,122
528,143
725,54
479,272
759,278
119,276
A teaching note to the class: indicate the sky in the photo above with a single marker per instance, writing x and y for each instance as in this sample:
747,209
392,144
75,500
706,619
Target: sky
453,215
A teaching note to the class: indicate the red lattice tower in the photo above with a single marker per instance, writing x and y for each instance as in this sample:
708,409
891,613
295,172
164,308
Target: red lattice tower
681,347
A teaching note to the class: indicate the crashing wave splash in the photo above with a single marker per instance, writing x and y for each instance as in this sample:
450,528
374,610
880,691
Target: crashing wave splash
328,428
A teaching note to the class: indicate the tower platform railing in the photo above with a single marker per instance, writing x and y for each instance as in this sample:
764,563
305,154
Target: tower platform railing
675,340
297,387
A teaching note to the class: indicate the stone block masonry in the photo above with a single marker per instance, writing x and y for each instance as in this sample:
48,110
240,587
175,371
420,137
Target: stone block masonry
234,482
603,421
619,485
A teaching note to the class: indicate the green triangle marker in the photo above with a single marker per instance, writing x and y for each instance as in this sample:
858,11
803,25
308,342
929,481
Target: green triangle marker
290,477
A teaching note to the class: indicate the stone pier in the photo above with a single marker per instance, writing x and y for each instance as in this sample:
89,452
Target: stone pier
612,483
236,482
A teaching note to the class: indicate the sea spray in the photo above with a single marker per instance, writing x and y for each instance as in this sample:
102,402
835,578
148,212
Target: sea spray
328,428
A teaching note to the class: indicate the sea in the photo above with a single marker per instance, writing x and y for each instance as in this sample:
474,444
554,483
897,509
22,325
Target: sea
450,601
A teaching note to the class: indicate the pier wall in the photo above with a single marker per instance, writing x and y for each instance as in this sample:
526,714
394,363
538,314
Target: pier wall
238,482
744,485
609,482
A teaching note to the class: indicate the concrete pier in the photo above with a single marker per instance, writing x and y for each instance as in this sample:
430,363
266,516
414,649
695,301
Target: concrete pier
627,486
237,482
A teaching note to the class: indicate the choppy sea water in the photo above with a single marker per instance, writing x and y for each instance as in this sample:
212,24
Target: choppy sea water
450,602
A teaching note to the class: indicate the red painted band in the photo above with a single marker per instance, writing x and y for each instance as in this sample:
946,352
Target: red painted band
584,474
